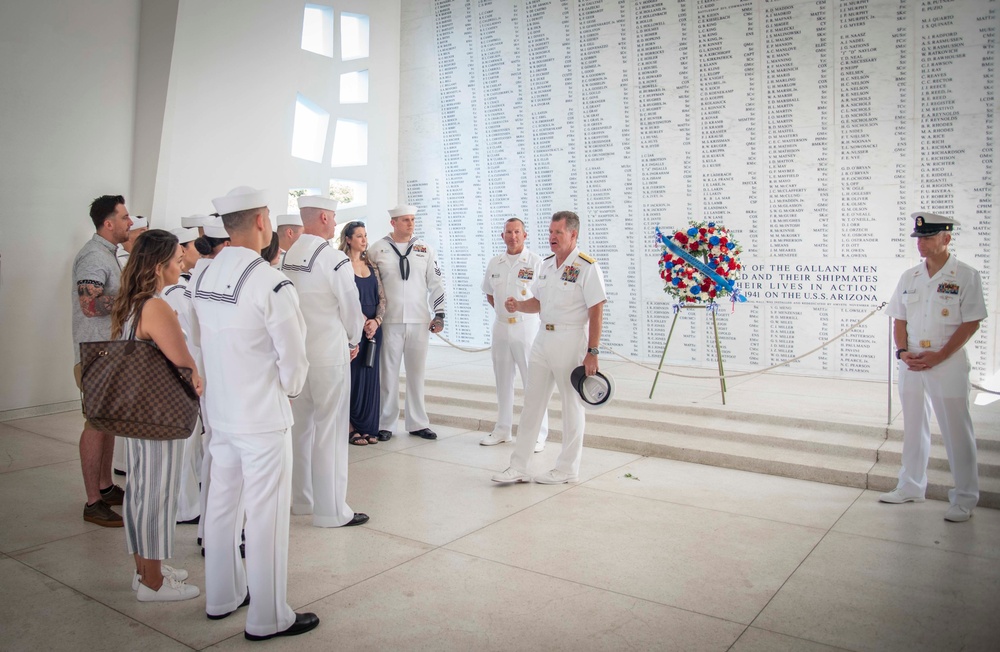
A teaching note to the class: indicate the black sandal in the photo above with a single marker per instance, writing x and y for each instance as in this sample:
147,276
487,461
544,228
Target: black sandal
358,439
372,439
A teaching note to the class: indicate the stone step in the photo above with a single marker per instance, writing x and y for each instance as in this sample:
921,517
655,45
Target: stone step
987,460
883,477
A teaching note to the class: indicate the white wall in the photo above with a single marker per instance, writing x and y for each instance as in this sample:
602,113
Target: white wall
237,65
68,74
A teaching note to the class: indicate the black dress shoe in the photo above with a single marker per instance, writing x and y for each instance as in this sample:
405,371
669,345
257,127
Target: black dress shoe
192,521
384,435
359,519
426,433
119,472
303,623
245,603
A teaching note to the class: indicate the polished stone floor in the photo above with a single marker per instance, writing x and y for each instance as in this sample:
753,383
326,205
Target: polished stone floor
642,553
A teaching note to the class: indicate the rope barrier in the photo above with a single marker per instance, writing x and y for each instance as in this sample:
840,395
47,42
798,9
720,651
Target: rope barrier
983,389
766,369
467,349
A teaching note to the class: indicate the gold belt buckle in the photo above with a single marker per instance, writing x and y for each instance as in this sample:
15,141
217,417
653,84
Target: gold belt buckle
925,344
512,320
550,327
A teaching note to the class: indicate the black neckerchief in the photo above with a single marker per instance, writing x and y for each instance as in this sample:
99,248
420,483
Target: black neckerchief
404,264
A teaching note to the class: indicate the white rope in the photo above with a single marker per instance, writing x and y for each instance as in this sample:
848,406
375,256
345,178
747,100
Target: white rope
759,371
467,349
983,389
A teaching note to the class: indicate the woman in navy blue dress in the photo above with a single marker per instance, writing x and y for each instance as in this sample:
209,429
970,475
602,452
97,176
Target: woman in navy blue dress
365,404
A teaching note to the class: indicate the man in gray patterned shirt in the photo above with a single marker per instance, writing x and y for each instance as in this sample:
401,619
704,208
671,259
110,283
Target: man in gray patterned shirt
96,281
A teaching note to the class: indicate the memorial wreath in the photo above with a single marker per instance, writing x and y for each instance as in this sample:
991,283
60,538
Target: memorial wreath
700,264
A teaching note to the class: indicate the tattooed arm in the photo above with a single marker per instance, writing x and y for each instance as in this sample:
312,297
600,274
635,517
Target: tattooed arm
93,301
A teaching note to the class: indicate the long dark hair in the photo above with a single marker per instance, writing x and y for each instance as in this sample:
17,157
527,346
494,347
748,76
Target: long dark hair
152,248
346,234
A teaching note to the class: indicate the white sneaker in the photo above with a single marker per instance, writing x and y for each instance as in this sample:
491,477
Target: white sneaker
492,440
510,475
897,497
957,514
554,477
171,591
178,574
539,446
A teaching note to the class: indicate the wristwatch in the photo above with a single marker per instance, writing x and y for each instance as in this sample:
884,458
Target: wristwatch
593,351
899,352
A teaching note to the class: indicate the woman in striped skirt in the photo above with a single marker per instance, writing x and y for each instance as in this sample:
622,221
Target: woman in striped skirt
153,466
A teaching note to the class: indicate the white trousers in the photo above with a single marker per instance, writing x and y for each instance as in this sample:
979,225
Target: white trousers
406,343
945,389
554,356
319,446
252,472
510,350
206,469
189,492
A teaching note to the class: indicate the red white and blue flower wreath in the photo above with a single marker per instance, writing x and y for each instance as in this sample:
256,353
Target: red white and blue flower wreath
700,264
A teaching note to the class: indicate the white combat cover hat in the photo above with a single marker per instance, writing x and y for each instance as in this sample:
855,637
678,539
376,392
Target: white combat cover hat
216,229
289,219
139,222
401,210
185,236
241,198
317,201
196,220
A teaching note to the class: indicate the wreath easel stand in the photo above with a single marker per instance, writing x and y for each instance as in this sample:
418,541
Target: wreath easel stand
712,308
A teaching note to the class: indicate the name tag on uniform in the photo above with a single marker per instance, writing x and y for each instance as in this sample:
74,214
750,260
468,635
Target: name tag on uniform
525,274
948,288
570,273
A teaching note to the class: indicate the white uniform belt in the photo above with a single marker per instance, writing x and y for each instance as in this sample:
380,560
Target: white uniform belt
563,327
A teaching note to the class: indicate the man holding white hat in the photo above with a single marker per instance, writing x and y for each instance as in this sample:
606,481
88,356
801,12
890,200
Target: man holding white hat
252,337
188,496
414,288
569,297
511,274
324,279
936,308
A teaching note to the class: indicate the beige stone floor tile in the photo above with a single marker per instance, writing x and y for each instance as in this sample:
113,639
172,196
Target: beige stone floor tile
24,450
861,593
760,640
321,561
450,601
40,613
465,449
706,561
42,504
923,524
431,501
402,440
738,492
64,426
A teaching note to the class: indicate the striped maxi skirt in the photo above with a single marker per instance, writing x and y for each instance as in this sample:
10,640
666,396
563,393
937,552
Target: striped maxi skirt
151,487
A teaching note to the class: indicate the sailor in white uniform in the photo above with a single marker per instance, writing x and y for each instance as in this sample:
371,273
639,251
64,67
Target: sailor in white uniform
139,226
213,239
511,274
324,279
197,221
289,228
569,297
936,308
188,495
252,337
414,288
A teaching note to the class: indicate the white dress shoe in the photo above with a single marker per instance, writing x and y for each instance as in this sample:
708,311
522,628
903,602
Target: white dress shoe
539,446
510,475
493,439
178,574
554,477
171,591
957,514
897,497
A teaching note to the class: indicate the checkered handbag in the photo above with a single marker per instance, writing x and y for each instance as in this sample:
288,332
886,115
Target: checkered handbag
131,389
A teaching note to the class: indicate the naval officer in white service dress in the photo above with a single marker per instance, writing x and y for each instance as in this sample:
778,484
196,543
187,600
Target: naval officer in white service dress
936,309
324,279
414,289
252,337
511,274
569,297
